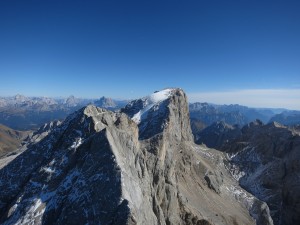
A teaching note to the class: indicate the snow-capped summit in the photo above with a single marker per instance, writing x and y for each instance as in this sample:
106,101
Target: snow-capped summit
151,101
151,112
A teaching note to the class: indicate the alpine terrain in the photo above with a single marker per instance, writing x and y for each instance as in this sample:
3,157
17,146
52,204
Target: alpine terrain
264,158
136,166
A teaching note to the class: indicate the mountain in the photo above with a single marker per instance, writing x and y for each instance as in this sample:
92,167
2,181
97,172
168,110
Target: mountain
230,114
208,114
29,113
104,102
287,117
29,139
197,126
10,139
71,101
217,134
109,103
265,159
136,166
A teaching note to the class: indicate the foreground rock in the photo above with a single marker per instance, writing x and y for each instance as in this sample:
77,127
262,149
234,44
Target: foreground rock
100,167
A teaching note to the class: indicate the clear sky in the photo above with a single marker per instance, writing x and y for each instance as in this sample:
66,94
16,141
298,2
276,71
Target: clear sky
218,51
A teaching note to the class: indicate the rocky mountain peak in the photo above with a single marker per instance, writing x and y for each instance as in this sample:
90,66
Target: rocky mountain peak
20,98
102,167
163,110
198,105
71,101
221,125
105,102
256,124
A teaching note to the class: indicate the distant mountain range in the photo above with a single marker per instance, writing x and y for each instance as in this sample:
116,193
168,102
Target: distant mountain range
27,113
207,114
231,114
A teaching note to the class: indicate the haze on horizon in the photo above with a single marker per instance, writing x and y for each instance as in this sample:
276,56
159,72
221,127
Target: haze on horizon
223,52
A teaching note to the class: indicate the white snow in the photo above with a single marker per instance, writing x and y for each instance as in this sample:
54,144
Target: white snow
33,213
76,143
150,101
160,95
49,170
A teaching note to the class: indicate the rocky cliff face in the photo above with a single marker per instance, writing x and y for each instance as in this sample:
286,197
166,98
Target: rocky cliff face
100,167
265,160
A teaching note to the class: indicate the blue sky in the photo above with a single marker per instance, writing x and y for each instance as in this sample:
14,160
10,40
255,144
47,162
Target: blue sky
127,49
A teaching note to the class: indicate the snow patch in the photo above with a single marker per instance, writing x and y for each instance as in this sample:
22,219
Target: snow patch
76,143
48,170
33,213
150,102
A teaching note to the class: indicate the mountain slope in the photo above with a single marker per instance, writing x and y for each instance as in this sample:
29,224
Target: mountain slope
215,135
109,103
287,118
265,159
10,139
101,167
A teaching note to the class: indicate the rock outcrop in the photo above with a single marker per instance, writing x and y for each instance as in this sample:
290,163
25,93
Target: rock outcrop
101,167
